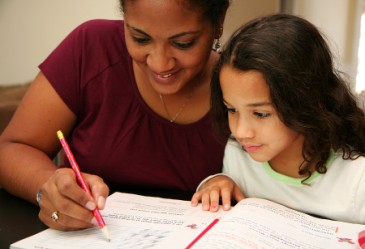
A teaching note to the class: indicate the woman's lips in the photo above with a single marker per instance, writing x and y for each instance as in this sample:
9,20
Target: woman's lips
167,78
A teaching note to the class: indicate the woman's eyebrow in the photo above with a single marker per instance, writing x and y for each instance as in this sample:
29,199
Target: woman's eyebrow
172,37
184,33
138,30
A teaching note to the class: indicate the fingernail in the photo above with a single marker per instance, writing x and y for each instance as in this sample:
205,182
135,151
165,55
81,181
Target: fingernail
94,222
226,207
101,202
90,205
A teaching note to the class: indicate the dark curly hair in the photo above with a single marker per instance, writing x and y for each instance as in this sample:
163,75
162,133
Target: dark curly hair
310,96
212,9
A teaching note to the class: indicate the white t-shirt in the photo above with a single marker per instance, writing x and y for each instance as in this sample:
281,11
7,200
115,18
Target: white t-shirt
338,194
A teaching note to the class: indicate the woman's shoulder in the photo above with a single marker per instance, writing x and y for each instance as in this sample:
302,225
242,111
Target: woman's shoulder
99,31
101,25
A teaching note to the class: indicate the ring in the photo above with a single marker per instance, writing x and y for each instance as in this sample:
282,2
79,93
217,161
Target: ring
54,216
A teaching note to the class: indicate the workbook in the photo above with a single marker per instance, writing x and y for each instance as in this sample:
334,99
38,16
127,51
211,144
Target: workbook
137,222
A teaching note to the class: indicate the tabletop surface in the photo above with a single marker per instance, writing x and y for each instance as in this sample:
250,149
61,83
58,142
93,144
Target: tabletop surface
19,218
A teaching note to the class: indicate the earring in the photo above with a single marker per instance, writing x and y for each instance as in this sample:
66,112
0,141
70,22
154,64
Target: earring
217,45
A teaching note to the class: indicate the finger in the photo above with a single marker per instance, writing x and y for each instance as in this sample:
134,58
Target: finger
214,201
81,217
99,190
60,221
205,201
238,194
66,196
195,199
67,186
226,199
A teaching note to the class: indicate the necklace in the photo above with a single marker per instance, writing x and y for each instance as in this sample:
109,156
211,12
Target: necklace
172,120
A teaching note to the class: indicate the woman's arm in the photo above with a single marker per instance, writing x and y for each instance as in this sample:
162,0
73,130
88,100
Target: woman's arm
27,147
29,142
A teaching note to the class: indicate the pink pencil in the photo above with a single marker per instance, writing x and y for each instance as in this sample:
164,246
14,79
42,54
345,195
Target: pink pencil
82,182
203,232
362,239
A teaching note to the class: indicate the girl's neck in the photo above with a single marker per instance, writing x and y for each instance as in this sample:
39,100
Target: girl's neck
290,161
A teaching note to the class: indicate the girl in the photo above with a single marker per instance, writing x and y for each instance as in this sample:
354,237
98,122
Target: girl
298,134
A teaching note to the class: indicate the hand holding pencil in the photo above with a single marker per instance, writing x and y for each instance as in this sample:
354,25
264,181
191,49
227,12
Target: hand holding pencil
82,182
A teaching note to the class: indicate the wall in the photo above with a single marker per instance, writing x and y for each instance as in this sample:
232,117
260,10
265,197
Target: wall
242,11
339,21
30,30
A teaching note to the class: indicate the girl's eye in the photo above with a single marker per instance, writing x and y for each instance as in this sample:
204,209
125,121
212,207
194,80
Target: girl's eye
261,114
232,110
184,45
141,40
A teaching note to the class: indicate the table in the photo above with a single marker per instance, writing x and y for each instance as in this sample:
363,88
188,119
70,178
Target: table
19,218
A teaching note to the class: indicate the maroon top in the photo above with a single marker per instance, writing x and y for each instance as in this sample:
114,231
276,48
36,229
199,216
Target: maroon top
117,136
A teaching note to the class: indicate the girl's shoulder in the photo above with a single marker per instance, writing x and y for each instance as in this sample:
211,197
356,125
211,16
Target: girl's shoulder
340,168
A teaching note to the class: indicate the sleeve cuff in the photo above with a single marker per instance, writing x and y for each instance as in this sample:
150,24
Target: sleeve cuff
207,179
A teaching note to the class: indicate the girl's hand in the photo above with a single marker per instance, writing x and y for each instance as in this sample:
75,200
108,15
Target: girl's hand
61,193
213,189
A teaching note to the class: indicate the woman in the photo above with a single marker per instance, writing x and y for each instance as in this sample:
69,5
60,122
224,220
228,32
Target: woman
132,99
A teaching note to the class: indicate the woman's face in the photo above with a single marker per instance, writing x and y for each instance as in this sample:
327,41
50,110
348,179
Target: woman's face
254,121
169,42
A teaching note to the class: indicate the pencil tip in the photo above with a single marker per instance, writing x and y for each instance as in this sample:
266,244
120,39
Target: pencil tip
106,233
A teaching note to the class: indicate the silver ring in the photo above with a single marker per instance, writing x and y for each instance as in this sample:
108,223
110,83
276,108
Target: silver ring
54,216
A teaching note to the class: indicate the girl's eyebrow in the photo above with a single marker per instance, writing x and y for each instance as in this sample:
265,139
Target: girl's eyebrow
172,37
258,104
225,102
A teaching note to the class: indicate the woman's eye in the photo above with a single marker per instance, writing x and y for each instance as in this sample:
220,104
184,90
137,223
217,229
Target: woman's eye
183,45
143,40
261,114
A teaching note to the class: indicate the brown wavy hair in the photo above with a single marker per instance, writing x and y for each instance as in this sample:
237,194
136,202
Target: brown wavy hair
309,94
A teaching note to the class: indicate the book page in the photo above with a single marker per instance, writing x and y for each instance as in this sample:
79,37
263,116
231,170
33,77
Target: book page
258,223
133,221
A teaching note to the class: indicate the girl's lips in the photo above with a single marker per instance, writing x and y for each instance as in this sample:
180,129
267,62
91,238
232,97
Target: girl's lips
251,148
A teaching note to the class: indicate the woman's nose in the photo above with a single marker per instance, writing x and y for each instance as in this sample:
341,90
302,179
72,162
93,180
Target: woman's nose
160,59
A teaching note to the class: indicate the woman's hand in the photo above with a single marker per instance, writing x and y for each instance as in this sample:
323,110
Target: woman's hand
213,189
73,206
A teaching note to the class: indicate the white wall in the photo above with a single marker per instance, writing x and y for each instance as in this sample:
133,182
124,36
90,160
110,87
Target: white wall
338,21
30,30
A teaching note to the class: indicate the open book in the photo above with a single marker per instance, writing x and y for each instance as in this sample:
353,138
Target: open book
136,221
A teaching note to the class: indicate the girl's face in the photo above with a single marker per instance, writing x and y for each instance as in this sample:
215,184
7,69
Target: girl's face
170,43
253,120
